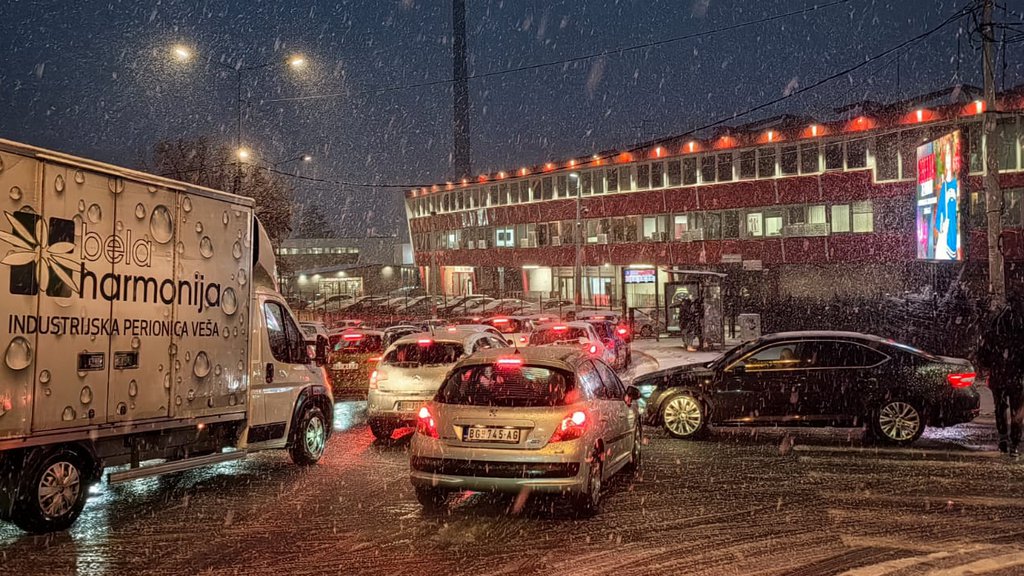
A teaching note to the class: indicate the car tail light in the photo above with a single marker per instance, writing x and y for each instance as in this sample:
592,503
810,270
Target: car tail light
425,423
523,339
510,362
376,377
572,427
560,328
500,321
424,341
621,331
592,348
375,359
962,379
352,336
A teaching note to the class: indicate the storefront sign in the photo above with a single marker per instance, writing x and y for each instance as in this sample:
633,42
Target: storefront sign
641,275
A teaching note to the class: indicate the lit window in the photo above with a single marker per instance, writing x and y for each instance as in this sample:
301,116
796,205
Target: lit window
816,214
863,217
840,218
755,224
773,225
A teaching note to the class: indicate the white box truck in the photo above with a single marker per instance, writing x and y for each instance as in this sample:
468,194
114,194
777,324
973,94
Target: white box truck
141,328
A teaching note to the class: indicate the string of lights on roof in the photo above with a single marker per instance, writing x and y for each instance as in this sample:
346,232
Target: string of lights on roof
729,139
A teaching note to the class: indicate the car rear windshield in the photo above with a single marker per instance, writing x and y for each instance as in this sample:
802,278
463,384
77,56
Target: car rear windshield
552,336
507,325
415,355
511,386
603,329
361,344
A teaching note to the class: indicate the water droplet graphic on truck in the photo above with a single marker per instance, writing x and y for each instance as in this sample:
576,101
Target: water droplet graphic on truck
206,247
186,204
228,301
115,185
15,193
44,377
224,218
201,367
79,177
136,342
160,224
241,277
58,184
95,213
81,205
133,388
19,354
68,414
86,396
236,250
199,227
140,211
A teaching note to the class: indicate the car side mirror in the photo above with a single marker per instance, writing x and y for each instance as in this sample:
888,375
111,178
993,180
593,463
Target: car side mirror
632,395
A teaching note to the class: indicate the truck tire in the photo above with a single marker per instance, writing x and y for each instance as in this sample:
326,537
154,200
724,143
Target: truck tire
310,437
51,491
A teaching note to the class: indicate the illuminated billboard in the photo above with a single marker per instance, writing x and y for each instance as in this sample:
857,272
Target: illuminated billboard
939,194
641,275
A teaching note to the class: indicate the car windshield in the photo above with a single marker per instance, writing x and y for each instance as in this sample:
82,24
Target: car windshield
507,385
732,354
413,355
357,343
557,336
506,325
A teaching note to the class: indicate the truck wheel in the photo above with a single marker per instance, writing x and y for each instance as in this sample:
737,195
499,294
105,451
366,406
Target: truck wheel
310,438
51,492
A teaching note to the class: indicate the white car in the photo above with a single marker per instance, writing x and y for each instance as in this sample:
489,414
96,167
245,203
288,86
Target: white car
546,420
333,303
578,334
410,372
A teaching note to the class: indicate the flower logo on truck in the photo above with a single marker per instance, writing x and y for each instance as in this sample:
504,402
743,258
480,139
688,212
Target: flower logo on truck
40,255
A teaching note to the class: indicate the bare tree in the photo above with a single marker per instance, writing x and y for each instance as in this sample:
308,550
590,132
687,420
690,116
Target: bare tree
213,166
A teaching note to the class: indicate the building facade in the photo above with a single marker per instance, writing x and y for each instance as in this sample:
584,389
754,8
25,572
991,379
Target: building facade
790,206
314,268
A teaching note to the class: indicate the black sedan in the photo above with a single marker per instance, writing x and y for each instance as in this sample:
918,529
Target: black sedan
815,379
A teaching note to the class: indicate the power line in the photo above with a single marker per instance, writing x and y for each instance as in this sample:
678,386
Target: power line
952,18
562,62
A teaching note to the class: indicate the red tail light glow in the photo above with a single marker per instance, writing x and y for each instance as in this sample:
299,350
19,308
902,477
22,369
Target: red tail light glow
961,380
500,321
352,336
621,331
598,317
424,341
592,349
560,328
572,427
523,340
510,362
425,423
375,359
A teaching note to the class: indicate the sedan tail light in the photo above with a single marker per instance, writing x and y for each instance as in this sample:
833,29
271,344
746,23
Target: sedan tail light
962,379
572,427
591,348
376,377
425,423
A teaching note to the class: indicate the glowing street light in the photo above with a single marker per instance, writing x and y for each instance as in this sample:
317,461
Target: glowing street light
297,61
243,154
181,53
307,158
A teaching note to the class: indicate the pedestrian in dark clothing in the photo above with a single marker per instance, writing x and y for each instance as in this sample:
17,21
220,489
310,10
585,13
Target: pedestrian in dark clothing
1001,356
687,322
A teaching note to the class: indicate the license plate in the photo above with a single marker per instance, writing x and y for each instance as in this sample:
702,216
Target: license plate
345,366
480,434
408,406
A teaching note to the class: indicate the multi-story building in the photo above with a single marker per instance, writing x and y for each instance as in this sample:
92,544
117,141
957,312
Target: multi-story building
312,268
790,206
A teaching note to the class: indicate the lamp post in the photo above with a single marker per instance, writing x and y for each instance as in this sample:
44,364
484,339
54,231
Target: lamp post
577,273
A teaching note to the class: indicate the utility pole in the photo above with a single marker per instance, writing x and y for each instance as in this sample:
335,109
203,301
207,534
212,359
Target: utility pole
993,195
461,153
577,273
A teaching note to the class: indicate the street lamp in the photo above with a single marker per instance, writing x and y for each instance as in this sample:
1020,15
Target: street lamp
243,154
305,158
181,53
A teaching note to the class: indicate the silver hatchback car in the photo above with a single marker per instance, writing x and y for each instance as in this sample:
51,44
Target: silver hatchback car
412,369
546,420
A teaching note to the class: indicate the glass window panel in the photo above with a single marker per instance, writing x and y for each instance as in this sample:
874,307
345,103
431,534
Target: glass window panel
863,217
810,162
766,162
572,186
797,214
587,182
707,168
1012,207
840,218
612,182
972,135
625,178
748,164
650,228
857,153
731,224
713,226
562,186
690,170
547,188
816,214
643,176
755,224
675,173
1006,129
725,167
834,156
773,225
789,160
657,175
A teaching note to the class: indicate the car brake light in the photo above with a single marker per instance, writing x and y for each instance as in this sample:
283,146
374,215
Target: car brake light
560,328
452,328
352,336
523,340
510,362
961,380
374,359
425,424
500,321
592,349
621,331
376,377
572,427
598,317
424,341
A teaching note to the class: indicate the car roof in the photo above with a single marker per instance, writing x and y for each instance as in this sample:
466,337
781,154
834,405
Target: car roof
446,337
561,357
367,331
822,335
583,325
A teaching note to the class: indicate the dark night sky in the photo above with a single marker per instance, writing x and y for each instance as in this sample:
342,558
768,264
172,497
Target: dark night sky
95,78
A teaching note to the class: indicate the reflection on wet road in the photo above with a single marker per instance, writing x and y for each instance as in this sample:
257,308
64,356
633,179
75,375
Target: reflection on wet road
744,501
